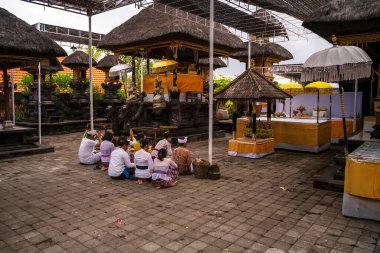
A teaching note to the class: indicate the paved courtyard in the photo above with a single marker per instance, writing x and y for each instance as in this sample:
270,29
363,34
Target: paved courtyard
50,203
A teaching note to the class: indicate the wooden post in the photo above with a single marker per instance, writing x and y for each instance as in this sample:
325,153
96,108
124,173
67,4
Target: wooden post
254,123
234,120
147,65
318,107
269,112
133,69
6,94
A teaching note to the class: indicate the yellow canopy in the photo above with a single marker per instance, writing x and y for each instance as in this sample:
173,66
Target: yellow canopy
322,87
164,66
291,88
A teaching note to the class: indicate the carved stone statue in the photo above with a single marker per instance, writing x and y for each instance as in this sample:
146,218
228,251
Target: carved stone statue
158,98
132,92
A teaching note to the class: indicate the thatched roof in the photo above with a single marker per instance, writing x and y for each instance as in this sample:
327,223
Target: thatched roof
265,50
19,40
78,59
54,66
218,63
108,62
251,86
150,27
341,17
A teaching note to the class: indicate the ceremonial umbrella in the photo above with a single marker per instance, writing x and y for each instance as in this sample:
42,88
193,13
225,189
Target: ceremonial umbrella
320,87
337,64
293,89
119,70
164,66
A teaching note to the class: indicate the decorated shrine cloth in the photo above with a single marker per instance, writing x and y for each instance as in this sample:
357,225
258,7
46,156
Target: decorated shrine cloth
185,83
362,176
251,149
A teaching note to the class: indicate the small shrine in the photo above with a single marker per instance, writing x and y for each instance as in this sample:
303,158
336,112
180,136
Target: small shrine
50,111
252,138
79,98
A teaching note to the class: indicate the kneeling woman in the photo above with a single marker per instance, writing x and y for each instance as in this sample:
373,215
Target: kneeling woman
144,163
165,171
120,160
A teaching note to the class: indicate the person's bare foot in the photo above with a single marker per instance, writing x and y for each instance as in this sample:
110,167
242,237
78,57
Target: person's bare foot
104,168
140,182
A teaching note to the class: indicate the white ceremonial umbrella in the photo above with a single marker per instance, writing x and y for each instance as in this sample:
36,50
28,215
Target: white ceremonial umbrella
337,64
118,69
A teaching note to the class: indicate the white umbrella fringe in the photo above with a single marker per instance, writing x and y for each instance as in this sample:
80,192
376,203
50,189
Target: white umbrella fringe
344,72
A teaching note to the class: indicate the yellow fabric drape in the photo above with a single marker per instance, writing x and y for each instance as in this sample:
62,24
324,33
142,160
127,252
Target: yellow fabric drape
248,146
362,179
185,83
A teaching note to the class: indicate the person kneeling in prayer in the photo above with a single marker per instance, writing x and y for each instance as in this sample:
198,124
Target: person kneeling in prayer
87,154
106,149
120,161
165,171
182,157
143,163
164,143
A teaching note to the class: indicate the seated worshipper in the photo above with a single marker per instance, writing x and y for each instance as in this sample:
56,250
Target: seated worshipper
120,161
139,138
143,163
87,154
164,143
182,157
165,171
106,149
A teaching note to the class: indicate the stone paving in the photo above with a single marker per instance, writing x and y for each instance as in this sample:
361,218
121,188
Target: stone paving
50,203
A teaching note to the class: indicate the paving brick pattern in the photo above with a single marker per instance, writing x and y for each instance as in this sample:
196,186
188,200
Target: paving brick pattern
50,203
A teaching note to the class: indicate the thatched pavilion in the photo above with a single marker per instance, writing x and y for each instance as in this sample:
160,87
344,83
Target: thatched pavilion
263,56
248,89
21,44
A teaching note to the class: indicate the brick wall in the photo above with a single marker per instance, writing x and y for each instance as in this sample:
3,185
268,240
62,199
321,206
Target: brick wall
98,75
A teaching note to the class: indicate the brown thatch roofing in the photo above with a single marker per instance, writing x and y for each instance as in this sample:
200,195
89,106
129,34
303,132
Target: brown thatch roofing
265,50
54,66
108,62
78,59
150,26
341,17
218,63
249,86
20,40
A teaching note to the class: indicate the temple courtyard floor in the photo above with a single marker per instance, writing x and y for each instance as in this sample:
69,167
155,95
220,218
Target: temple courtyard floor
51,203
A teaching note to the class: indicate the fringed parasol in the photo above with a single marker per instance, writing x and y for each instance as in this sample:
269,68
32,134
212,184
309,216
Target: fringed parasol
338,63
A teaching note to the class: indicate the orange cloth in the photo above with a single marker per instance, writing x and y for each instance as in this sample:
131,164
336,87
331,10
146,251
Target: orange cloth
362,179
185,83
337,127
302,134
248,146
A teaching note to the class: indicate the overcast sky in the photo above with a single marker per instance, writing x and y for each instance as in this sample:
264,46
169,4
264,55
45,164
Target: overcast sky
105,22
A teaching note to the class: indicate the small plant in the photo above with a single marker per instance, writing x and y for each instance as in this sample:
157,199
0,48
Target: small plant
63,82
260,133
301,108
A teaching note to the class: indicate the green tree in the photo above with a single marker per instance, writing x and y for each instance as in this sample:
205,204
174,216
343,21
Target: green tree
98,53
221,81
62,81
